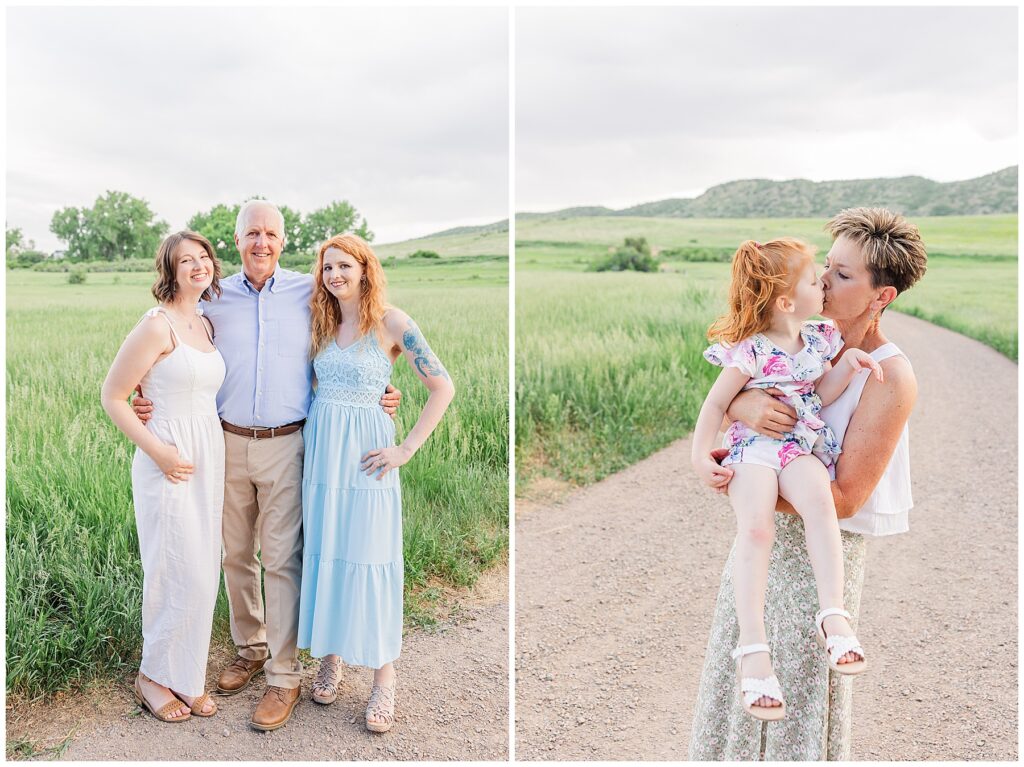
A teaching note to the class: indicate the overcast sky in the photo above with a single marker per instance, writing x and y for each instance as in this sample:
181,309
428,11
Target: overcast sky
402,112
618,106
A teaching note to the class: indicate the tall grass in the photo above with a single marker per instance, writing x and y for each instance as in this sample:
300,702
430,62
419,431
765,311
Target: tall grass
73,574
609,367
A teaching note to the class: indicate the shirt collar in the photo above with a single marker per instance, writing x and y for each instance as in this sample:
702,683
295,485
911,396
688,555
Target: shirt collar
271,283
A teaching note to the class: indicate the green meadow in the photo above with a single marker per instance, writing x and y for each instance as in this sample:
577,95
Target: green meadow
73,575
609,366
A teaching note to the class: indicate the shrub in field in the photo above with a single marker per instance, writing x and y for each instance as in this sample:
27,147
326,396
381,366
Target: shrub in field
634,255
76,276
25,259
639,244
424,254
723,255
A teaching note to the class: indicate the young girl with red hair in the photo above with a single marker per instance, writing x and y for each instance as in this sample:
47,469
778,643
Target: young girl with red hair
766,341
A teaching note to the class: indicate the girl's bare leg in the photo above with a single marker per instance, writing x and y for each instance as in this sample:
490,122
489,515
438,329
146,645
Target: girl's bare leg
804,482
753,491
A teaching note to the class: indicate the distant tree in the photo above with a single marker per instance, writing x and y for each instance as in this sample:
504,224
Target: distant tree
292,230
14,242
218,226
337,218
425,254
117,227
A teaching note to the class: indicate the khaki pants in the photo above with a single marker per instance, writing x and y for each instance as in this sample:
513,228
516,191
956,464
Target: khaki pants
263,513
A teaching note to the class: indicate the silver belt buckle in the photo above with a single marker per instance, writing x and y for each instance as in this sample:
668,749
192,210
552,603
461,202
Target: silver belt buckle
272,432
254,433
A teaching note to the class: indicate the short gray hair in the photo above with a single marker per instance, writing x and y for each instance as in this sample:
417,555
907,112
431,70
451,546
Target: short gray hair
249,205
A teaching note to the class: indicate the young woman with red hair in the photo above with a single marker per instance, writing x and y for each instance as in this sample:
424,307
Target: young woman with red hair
352,572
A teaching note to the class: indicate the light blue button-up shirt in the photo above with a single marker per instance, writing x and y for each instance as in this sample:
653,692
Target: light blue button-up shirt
264,339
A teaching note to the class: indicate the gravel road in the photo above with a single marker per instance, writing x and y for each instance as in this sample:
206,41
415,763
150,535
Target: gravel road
452,705
616,585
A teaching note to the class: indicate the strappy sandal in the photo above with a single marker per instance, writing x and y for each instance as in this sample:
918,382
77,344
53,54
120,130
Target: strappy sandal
838,646
325,684
753,689
163,714
198,703
382,707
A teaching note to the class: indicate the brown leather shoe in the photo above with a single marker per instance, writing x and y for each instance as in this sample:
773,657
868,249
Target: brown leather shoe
275,709
237,675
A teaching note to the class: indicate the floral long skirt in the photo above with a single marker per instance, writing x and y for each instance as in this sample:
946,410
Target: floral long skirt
818,701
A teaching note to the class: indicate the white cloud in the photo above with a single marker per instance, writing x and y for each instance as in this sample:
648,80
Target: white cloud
618,106
403,112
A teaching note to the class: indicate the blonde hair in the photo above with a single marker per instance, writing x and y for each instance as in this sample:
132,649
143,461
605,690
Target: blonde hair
326,314
893,251
760,274
166,286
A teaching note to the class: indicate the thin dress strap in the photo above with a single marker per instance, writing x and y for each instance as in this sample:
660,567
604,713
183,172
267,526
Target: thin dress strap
175,340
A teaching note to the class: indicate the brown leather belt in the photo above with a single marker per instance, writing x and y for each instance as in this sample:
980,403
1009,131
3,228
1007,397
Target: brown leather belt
256,432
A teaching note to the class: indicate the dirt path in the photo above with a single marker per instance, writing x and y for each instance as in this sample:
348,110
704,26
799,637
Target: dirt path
616,585
452,705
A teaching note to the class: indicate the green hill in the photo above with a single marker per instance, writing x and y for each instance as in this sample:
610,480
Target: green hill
485,240
799,198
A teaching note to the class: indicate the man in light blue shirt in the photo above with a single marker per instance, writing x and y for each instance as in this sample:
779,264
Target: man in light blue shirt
262,328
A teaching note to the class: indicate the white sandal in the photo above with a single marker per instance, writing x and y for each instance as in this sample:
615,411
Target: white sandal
838,646
753,689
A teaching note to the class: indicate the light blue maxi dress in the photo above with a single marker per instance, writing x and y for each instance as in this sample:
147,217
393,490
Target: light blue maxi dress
352,571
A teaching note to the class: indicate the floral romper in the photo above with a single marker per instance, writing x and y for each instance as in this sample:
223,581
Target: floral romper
795,374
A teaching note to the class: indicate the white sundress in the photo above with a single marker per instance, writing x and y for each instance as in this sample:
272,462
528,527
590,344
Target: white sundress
179,525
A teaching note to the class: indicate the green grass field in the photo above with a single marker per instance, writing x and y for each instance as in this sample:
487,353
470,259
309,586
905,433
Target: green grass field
609,367
73,576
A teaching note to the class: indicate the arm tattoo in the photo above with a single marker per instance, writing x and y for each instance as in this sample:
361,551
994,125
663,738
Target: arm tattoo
426,361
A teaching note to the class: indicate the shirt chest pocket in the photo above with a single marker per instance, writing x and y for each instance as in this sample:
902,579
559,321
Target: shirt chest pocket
292,337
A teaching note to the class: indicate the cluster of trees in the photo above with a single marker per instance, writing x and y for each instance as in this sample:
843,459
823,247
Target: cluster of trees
303,233
19,251
120,227
633,255
116,227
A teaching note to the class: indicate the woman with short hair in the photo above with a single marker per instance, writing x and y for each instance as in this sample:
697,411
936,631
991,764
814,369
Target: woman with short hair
876,255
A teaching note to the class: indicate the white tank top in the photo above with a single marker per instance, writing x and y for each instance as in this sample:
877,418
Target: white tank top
887,511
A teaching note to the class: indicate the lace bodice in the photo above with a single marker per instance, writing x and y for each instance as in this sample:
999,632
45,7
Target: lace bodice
356,375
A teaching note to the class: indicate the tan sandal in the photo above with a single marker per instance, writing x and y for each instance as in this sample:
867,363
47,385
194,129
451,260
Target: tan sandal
325,684
202,700
163,714
381,706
